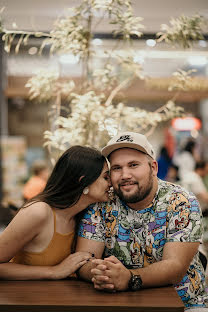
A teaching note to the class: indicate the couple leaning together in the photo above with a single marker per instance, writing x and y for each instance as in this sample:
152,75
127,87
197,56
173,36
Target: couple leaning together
146,235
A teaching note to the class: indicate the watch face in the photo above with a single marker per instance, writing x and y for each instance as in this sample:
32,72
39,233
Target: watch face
135,282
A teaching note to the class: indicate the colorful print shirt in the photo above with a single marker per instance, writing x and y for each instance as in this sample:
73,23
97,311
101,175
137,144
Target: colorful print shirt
137,238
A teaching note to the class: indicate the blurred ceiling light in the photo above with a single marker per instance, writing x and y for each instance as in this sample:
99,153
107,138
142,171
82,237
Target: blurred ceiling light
14,25
202,43
69,59
33,50
186,124
97,42
150,42
197,60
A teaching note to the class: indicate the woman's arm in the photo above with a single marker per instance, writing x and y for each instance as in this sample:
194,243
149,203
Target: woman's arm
14,271
26,225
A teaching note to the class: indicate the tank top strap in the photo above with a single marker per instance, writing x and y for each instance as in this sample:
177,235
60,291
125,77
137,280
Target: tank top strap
54,217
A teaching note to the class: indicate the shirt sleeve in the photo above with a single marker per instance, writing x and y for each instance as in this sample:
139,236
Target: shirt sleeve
91,226
184,219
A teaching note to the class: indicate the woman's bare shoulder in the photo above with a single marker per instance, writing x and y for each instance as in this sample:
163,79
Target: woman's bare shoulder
39,211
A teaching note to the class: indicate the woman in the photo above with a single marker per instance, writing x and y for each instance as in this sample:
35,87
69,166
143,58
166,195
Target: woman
37,244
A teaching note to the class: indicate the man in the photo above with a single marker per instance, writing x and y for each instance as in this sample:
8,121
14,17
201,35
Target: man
149,233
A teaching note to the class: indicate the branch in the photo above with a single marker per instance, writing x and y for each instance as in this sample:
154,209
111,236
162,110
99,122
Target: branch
150,131
58,103
116,90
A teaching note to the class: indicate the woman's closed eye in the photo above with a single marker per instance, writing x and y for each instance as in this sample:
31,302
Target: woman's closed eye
107,178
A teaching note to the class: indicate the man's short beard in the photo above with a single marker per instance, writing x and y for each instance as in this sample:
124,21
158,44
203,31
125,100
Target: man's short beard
135,198
139,195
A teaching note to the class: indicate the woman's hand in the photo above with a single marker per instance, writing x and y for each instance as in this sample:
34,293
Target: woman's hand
70,265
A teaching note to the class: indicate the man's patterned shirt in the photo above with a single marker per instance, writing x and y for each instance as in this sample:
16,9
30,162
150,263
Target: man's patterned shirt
137,238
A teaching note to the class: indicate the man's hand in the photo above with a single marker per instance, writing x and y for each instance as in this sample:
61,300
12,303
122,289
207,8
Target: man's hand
110,274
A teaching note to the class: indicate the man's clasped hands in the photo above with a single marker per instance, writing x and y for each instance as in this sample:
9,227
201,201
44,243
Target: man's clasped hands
110,274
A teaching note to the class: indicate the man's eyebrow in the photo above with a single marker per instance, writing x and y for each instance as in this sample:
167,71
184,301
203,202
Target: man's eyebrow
129,163
115,165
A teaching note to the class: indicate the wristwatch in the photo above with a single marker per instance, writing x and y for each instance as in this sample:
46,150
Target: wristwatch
135,282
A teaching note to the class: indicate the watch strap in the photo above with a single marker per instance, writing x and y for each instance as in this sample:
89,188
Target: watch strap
135,282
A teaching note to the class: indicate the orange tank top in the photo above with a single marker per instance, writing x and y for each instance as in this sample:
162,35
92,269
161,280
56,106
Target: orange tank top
58,249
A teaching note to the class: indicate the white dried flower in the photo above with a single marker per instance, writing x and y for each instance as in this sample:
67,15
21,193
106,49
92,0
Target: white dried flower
91,117
182,80
182,31
42,85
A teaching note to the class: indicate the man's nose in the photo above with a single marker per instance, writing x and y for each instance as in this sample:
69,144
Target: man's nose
125,173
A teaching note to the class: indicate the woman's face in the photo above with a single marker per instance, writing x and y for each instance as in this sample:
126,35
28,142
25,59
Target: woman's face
98,190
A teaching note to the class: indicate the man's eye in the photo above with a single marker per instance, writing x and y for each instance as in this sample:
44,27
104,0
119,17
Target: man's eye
133,165
115,169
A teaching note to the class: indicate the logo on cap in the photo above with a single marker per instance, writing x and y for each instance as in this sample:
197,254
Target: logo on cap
127,138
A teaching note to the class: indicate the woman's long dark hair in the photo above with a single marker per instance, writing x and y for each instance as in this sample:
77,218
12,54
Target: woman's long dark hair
77,168
65,185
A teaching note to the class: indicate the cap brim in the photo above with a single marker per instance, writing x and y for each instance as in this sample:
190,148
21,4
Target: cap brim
106,151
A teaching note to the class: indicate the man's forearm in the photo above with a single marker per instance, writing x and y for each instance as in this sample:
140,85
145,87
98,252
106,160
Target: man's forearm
96,248
160,273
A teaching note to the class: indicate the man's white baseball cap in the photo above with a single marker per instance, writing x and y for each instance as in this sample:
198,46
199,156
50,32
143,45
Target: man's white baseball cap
130,140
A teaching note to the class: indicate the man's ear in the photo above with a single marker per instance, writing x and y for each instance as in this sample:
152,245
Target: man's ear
154,167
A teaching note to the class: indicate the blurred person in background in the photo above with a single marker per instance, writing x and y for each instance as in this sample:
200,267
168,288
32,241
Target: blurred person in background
8,210
193,181
205,178
172,174
186,159
164,162
6,216
37,181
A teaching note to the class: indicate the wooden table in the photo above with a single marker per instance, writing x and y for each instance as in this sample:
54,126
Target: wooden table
78,296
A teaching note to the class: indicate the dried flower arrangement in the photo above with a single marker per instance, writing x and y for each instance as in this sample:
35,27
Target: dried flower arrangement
92,114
